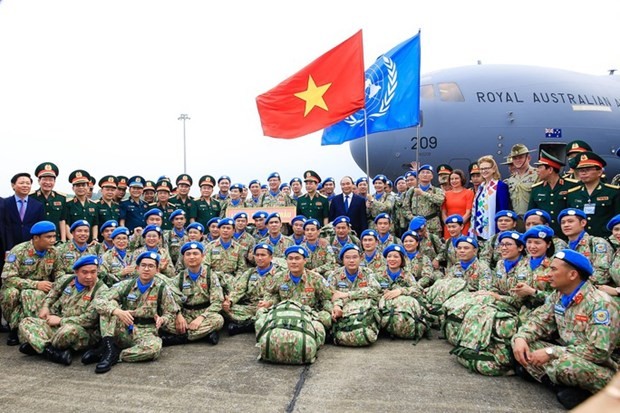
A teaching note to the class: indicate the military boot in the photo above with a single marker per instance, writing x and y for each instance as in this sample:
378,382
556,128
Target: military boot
93,355
57,356
173,339
571,397
109,357
27,349
12,339
213,338
238,328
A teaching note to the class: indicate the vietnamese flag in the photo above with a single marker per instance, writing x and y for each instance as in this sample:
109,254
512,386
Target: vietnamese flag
319,95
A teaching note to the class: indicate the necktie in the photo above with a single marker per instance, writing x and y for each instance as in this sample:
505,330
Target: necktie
346,203
22,209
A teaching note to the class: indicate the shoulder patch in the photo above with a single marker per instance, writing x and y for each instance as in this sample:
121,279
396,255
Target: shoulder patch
11,258
600,247
601,317
537,184
577,188
571,180
611,186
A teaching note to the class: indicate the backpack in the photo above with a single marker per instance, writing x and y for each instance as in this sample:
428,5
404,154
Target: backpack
288,335
359,325
438,294
454,311
403,317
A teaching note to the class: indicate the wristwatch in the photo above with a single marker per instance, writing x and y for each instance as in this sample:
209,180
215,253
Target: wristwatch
549,351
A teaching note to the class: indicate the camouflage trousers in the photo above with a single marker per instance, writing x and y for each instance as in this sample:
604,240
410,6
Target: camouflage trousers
571,370
39,334
240,313
140,344
19,304
212,322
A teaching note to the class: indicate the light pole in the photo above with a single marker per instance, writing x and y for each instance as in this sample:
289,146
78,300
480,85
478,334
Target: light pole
184,117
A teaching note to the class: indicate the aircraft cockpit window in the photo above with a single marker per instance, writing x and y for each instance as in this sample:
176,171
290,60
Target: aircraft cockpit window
427,92
450,92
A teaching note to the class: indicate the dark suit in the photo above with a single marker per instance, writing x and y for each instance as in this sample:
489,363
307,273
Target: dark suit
357,211
14,230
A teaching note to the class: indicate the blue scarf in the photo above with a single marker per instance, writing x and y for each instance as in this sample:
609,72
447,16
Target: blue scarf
77,247
454,241
370,257
299,240
194,276
509,265
294,279
343,243
425,187
210,237
378,195
255,200
225,245
393,275
180,233
41,254
236,235
384,238
351,277
312,247
275,240
109,246
567,299
535,262
154,249
235,202
465,264
263,231
263,271
79,287
412,255
573,244
274,194
144,287
122,253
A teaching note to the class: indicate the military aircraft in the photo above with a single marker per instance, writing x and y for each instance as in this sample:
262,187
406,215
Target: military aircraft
478,110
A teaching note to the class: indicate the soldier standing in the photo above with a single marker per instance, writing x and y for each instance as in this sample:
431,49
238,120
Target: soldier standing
425,200
54,203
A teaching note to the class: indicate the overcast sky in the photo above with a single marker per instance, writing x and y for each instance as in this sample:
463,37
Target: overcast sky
99,85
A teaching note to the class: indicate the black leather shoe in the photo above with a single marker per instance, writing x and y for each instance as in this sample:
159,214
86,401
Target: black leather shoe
12,339
213,338
27,349
571,397
58,356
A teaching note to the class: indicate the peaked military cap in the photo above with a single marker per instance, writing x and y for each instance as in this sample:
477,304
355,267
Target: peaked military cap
444,169
46,169
109,181
163,185
546,158
184,179
149,186
207,180
587,159
310,175
122,181
577,146
79,176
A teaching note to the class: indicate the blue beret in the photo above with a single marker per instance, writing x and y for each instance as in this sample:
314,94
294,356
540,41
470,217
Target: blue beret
572,212
319,186
613,222
295,249
283,185
469,240
176,213
150,228
192,245
298,180
226,221
273,175
272,216
398,179
426,167
411,173
237,186
263,246
312,221
541,213
389,183
109,223
263,186
507,213
221,178
148,254
417,223
383,215
214,220
196,225
85,260
153,211
254,181
394,247
118,231
538,231
513,235
329,179
369,232
454,219
298,218
79,223
360,180
348,247
259,214
410,233
241,214
381,178
576,260
341,219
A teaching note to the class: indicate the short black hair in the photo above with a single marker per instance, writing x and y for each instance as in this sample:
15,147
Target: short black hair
19,175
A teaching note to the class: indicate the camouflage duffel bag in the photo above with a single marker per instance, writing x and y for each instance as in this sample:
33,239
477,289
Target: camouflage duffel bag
359,325
289,335
439,293
454,311
403,317
483,342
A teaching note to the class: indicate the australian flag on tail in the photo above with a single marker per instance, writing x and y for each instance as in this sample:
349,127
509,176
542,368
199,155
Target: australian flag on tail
553,133
392,96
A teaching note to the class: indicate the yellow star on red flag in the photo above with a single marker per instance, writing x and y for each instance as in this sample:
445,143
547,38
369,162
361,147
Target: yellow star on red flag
313,95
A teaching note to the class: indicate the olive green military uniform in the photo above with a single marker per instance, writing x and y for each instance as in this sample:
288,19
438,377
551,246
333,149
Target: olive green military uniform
207,209
316,207
106,212
79,324
553,200
55,207
167,209
77,210
600,206
23,269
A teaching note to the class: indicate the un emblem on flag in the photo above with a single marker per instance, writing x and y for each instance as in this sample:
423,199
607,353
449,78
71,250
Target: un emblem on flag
380,87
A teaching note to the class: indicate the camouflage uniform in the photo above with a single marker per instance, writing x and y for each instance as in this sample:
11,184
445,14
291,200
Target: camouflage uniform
322,259
385,203
68,254
540,282
246,291
520,187
79,323
587,329
201,298
421,268
599,252
280,199
228,203
165,264
427,205
247,242
167,209
375,265
338,244
447,255
502,282
141,343
174,241
430,245
489,251
476,271
278,248
387,240
230,262
23,269
111,266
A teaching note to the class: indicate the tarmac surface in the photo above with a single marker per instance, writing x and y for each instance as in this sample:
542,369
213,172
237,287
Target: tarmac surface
390,376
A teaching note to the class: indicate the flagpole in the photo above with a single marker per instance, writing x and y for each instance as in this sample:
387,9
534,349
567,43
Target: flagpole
366,142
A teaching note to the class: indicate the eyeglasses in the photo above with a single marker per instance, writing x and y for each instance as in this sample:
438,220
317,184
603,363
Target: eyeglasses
148,266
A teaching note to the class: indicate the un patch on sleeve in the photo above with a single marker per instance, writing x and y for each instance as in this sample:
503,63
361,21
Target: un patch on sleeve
11,258
601,317
601,248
